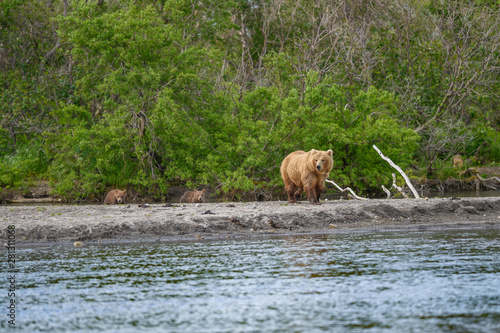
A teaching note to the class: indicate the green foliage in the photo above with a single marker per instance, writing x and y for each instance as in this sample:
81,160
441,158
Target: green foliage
245,139
485,147
493,154
10,177
21,167
351,128
143,94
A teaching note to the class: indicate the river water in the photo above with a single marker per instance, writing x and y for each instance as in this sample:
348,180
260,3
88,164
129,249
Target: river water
357,282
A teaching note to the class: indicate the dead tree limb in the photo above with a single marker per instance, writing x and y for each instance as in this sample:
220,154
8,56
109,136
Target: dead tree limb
386,192
487,179
482,180
410,185
399,188
347,189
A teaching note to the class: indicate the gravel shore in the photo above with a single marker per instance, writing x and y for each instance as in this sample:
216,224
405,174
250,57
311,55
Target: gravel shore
93,224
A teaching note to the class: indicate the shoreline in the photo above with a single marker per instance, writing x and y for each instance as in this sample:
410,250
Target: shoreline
40,192
131,223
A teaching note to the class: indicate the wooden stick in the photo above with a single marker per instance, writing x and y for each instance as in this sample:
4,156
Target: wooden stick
347,189
399,188
473,172
340,188
400,171
491,178
386,192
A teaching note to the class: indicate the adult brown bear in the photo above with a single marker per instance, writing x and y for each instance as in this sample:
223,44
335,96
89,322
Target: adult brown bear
307,172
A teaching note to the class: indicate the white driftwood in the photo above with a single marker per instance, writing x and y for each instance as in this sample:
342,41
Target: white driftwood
487,179
347,189
386,192
399,188
410,185
491,178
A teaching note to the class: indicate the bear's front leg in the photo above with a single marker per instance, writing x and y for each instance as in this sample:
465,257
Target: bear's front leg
311,195
313,198
319,189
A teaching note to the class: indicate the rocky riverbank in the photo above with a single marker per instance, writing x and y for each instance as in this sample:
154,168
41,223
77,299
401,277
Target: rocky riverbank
93,224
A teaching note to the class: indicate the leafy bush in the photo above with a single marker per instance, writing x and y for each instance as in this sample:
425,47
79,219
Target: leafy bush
144,94
21,167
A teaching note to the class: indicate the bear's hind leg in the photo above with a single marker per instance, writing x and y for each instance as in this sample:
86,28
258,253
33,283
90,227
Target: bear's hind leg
298,193
290,189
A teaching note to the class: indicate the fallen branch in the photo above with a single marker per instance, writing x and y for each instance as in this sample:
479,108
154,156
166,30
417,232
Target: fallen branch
479,180
347,189
386,192
410,185
488,179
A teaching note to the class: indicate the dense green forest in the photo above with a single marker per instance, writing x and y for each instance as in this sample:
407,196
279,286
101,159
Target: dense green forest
146,94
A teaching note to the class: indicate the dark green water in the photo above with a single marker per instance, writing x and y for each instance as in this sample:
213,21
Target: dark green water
363,282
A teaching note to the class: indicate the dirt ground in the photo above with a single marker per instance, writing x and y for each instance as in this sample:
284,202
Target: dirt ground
95,224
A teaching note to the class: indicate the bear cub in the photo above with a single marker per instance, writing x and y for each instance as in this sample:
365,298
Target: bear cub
115,197
193,196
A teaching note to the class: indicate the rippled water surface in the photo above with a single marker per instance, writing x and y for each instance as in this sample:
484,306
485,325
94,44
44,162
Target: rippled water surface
369,282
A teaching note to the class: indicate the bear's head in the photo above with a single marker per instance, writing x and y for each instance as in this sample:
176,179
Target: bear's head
199,196
120,196
322,160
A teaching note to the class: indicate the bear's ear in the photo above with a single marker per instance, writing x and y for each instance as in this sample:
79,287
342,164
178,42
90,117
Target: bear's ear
125,192
330,152
203,190
313,151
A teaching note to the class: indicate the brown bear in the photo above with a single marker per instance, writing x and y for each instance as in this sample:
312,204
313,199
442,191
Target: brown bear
193,196
115,197
307,172
458,161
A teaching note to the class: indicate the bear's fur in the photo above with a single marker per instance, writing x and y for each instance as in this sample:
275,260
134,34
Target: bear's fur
193,196
458,161
307,172
115,197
